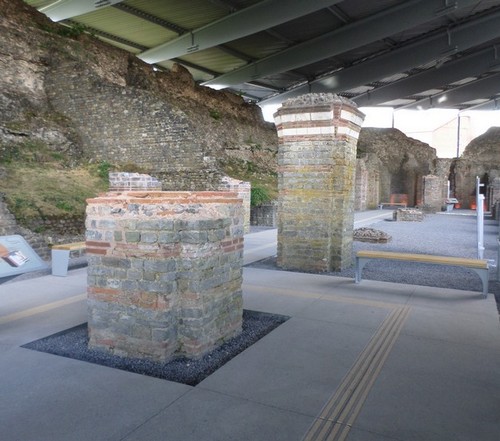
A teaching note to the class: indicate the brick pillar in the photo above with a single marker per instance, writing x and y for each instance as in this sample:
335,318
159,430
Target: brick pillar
164,272
242,189
316,171
361,189
434,192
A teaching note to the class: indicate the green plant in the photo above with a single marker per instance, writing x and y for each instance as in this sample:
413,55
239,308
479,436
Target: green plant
9,153
103,169
73,31
251,166
215,114
259,196
64,205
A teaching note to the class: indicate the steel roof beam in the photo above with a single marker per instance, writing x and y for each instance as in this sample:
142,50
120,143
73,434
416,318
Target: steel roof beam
482,88
468,66
436,47
63,9
251,20
492,104
402,17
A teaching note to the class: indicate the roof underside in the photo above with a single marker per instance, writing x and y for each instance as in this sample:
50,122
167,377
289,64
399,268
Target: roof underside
414,54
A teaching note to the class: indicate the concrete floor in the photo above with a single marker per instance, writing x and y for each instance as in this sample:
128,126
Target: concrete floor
370,362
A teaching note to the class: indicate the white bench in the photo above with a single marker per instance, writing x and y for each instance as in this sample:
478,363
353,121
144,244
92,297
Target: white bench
60,257
395,204
480,266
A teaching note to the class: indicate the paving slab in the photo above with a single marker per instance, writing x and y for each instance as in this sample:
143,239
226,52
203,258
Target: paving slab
296,367
434,391
206,415
48,398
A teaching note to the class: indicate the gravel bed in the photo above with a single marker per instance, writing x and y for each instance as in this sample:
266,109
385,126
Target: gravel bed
72,343
441,234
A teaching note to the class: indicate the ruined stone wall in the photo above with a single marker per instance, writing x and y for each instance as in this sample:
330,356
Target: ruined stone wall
480,158
402,163
115,108
8,225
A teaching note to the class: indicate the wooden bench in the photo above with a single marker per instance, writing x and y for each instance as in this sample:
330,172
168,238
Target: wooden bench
60,257
480,266
396,204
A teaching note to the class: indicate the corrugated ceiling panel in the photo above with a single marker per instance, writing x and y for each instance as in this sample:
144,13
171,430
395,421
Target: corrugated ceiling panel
309,26
39,3
258,45
189,14
127,26
215,60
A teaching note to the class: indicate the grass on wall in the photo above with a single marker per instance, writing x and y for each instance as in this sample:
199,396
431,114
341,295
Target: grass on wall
33,192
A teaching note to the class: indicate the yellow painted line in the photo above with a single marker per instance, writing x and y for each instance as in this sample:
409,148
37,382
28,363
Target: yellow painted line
281,291
42,308
342,409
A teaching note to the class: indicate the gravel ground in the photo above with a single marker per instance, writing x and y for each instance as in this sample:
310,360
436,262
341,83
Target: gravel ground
451,234
72,343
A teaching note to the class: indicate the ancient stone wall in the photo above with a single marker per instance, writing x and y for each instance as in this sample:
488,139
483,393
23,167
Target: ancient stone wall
117,109
480,158
264,215
8,225
165,272
122,181
398,163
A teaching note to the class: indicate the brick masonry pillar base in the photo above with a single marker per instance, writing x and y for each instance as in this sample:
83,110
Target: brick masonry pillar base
164,273
316,175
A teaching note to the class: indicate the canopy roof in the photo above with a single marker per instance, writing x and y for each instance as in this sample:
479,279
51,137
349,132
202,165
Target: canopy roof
415,54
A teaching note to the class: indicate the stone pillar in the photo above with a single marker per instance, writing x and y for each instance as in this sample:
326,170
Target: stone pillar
242,189
361,190
164,272
316,171
434,192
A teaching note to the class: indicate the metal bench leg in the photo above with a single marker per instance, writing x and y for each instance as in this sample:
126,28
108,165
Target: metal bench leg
360,263
483,274
60,262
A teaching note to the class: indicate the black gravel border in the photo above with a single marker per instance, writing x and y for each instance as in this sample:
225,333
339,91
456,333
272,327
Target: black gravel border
73,343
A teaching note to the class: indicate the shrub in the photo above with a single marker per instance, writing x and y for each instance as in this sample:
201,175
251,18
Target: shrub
259,196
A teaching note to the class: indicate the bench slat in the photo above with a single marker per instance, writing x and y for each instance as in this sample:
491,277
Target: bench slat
425,258
69,246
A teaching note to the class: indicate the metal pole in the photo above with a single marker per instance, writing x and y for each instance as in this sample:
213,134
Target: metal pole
458,135
480,226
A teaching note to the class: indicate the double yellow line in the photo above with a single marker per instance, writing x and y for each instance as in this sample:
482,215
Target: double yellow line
342,409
